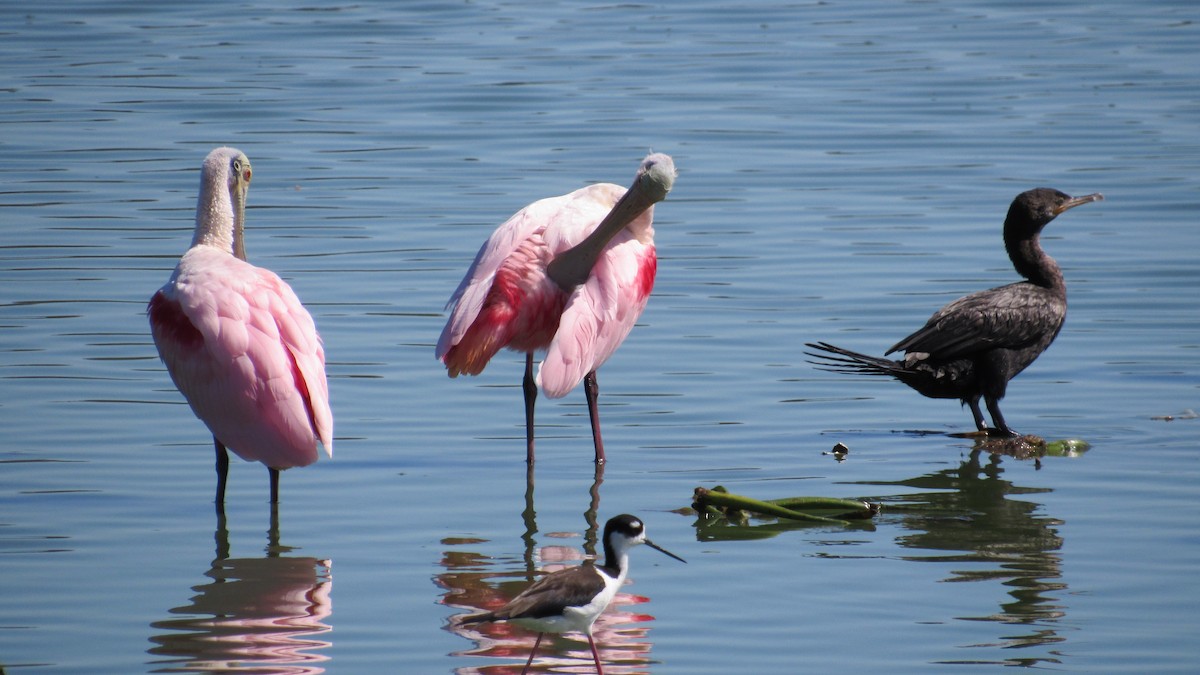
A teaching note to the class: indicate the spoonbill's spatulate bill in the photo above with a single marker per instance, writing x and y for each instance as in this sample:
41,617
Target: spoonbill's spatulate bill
569,275
237,342
570,600
972,347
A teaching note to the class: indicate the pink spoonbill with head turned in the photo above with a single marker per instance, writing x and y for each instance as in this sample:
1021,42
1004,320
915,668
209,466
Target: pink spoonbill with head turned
237,342
569,275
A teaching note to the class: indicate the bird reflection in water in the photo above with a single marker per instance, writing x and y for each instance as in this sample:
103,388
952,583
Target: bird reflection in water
473,583
968,518
256,615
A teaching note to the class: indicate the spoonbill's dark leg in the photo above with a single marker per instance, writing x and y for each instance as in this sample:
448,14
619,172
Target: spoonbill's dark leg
274,484
222,538
273,547
591,389
529,387
222,473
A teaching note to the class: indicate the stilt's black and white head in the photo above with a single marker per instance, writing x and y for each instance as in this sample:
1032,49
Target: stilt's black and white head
623,532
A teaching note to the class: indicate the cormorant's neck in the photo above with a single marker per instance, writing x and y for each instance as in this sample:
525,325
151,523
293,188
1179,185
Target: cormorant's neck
1033,263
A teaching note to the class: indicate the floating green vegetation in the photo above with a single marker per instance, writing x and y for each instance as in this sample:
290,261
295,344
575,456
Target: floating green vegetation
720,503
1032,447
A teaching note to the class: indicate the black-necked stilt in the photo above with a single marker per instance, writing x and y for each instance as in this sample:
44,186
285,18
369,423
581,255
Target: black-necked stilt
570,600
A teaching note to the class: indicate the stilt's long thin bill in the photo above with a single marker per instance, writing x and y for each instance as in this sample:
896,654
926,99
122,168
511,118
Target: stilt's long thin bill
660,549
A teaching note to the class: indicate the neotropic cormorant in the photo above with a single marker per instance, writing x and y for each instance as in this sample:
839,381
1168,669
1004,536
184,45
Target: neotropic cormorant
973,346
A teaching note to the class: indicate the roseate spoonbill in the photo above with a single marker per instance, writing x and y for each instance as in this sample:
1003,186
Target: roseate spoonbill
568,274
570,600
973,346
237,342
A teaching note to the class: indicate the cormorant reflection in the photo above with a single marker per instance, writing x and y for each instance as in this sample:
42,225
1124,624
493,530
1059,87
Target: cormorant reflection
970,513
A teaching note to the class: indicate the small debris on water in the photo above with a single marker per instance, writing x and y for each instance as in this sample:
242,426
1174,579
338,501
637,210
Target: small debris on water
1187,414
839,451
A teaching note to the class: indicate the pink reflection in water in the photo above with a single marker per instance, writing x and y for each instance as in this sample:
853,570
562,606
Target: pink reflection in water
258,615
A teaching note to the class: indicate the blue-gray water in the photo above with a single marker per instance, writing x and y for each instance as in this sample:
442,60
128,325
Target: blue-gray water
844,170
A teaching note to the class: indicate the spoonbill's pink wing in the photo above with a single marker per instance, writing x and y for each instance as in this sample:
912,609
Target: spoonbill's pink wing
472,291
246,355
599,314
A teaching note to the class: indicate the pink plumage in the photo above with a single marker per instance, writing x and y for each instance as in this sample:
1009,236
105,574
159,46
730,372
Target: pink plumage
236,340
601,238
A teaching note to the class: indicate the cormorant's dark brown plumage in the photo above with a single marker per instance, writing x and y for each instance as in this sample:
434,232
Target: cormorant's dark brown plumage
973,346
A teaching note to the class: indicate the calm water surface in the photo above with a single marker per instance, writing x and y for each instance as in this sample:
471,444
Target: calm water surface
844,170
